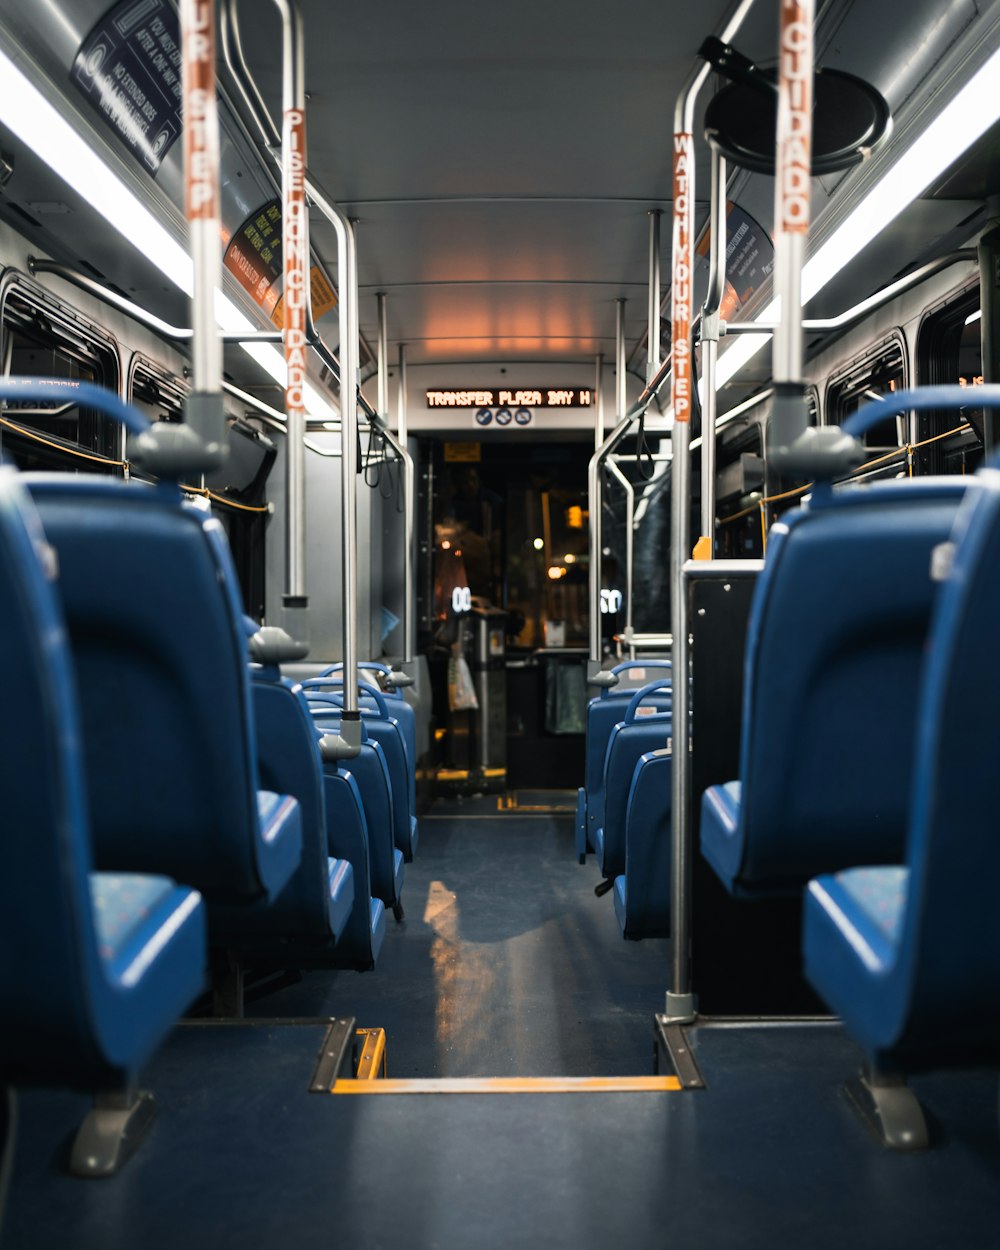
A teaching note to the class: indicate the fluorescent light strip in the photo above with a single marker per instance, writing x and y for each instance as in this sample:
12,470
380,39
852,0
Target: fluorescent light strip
38,124
25,111
959,124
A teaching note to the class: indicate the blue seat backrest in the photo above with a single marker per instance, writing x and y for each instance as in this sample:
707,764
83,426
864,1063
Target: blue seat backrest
835,643
401,709
648,849
370,775
946,989
643,727
57,1009
347,831
155,622
381,726
289,762
603,713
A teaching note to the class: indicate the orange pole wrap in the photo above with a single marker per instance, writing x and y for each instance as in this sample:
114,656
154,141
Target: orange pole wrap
201,131
295,260
681,286
795,89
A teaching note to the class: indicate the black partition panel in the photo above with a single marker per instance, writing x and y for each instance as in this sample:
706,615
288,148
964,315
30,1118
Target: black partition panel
745,953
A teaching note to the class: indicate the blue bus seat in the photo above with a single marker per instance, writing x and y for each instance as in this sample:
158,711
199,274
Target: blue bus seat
156,628
371,775
94,967
644,727
642,891
382,727
603,713
301,926
347,839
835,641
374,673
909,954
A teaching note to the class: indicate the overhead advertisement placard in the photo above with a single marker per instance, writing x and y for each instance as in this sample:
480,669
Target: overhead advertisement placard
253,257
129,68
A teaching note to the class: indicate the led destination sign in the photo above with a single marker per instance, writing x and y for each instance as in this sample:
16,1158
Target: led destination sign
535,397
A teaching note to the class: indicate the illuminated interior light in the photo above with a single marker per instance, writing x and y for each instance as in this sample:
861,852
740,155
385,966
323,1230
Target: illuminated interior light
39,125
967,116
570,558
445,545
556,571
973,316
538,544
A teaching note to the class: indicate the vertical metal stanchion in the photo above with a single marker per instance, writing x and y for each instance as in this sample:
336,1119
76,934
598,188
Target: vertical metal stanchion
409,524
680,1003
620,378
598,401
295,262
383,357
653,333
594,505
203,409
397,442
629,490
621,402
710,329
790,413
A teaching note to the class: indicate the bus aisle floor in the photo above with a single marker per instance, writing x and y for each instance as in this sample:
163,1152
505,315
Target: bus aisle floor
506,964
769,1154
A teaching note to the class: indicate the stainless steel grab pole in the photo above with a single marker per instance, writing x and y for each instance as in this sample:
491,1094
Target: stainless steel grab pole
409,525
296,297
629,490
270,142
295,185
680,1003
653,332
204,412
710,348
398,444
598,401
792,182
383,357
594,495
620,378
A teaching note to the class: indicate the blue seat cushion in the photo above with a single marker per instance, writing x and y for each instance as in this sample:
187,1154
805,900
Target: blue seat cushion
720,818
621,901
376,925
341,885
151,938
281,833
851,941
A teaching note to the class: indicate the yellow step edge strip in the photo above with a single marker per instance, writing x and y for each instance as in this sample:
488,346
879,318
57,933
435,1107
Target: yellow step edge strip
371,1064
515,1085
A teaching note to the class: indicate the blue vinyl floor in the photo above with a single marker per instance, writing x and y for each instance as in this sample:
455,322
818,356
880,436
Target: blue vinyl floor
501,971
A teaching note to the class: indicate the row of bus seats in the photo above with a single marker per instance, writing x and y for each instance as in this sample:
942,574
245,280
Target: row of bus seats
142,748
866,757
623,808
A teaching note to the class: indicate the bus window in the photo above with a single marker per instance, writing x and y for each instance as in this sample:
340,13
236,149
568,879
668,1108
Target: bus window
43,339
237,490
949,350
879,372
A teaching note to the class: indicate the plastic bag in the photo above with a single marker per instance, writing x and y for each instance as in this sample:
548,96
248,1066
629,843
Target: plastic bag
461,691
